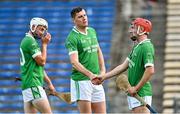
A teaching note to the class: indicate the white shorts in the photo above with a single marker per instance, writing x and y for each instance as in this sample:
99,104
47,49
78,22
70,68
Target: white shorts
133,102
33,93
85,90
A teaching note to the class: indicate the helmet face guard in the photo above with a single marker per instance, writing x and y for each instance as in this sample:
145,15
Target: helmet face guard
36,22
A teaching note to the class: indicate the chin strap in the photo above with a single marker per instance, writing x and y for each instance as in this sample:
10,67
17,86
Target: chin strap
32,29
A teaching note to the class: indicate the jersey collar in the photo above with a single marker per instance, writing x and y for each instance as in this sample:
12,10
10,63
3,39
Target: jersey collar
79,32
144,41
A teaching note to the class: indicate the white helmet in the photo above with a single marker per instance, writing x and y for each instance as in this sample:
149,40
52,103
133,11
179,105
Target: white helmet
37,21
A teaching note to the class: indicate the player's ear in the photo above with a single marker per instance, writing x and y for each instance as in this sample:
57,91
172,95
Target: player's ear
73,20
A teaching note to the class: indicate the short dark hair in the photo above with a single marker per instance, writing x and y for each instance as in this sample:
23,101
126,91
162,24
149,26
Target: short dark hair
75,10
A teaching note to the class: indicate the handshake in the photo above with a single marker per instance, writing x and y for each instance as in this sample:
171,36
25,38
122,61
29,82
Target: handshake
97,80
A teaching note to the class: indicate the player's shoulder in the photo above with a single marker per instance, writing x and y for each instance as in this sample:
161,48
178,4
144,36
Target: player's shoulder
148,46
148,43
28,37
72,34
91,28
28,40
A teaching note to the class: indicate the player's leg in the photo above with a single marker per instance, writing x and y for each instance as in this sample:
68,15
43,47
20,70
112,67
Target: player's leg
136,107
40,100
42,105
27,98
84,106
81,93
98,99
29,108
99,107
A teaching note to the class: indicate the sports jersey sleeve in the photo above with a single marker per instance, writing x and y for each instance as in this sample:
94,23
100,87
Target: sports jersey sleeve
148,56
71,45
33,48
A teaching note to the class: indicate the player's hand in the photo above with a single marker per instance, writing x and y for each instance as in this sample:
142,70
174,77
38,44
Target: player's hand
98,80
102,77
132,91
94,79
46,39
51,89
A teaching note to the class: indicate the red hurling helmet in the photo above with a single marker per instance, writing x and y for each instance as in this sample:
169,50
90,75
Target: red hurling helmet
146,24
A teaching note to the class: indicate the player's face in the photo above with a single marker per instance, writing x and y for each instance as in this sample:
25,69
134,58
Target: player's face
81,19
40,31
133,32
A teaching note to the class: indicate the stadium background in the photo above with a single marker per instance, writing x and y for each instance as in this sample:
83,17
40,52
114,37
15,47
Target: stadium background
111,19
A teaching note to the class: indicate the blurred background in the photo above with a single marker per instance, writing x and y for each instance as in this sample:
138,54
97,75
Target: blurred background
111,19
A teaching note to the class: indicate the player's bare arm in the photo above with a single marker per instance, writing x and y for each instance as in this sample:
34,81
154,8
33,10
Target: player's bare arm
118,70
49,83
101,61
41,59
78,66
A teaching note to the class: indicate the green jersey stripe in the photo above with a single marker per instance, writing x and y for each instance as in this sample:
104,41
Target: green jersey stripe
77,90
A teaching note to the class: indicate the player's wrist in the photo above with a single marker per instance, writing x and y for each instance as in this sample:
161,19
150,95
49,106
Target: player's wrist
44,44
102,72
136,88
91,76
104,77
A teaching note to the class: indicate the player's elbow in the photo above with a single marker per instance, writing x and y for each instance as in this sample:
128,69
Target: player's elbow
74,64
151,70
40,60
42,63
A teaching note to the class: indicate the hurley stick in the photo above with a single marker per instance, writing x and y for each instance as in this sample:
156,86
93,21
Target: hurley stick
65,96
123,84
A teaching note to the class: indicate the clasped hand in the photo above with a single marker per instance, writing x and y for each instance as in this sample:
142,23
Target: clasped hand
132,91
97,80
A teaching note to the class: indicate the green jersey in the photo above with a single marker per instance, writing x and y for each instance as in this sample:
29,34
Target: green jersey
141,56
86,46
32,74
